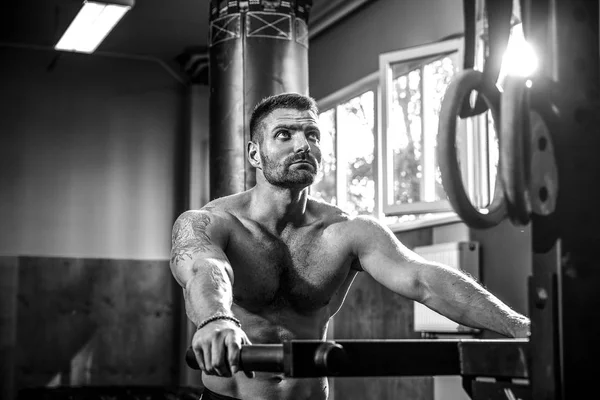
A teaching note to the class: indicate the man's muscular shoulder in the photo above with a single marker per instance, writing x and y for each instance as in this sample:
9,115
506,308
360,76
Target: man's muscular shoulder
209,225
337,224
351,232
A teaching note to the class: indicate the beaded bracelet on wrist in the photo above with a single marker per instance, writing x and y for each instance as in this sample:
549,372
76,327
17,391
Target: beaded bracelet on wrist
219,316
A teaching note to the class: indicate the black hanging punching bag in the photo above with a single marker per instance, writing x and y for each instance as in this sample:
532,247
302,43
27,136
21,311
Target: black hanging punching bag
257,48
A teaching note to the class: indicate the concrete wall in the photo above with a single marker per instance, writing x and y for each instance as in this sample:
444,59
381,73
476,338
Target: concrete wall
88,156
97,322
91,163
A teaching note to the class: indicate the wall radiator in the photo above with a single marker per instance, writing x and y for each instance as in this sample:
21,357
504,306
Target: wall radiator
459,255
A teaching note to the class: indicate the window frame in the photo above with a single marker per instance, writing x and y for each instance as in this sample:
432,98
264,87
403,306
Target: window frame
385,173
355,89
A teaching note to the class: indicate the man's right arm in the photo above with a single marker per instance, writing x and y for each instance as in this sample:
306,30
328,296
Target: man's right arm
200,266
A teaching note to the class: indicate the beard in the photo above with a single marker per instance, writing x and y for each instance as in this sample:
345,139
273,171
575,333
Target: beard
280,174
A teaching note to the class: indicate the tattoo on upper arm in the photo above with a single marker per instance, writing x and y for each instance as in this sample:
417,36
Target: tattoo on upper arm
189,236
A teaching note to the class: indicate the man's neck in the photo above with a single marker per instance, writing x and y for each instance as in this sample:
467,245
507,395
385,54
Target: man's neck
279,207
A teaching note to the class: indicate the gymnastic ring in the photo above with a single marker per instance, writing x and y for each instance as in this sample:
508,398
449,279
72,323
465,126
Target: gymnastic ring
515,148
461,86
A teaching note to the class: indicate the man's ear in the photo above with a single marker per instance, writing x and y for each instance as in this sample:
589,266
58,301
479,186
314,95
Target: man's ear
254,155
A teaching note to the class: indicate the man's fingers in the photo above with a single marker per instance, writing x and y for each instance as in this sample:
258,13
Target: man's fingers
219,356
218,352
233,345
199,357
207,355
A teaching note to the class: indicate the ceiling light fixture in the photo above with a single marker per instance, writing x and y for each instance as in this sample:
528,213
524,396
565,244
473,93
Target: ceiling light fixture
92,24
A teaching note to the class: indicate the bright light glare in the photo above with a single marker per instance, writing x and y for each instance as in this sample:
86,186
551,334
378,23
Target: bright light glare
91,25
519,58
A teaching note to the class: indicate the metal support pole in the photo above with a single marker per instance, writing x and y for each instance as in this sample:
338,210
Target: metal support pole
564,300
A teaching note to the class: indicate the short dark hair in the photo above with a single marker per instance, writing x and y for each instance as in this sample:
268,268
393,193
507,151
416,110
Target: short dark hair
269,104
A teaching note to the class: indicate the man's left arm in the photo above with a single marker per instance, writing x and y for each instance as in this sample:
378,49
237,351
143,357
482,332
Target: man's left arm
445,290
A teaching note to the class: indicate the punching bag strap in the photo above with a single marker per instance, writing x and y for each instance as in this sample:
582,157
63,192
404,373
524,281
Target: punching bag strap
470,23
499,13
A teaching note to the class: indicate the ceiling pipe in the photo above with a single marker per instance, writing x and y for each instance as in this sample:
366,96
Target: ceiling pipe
333,14
136,57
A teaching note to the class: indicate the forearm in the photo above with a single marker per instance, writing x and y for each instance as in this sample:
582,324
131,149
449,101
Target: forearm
465,301
208,292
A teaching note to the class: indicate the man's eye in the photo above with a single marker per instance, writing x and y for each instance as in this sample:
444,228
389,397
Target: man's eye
283,134
314,136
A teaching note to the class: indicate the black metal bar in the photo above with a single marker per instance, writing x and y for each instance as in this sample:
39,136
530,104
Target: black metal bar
313,358
266,357
495,358
377,358
543,306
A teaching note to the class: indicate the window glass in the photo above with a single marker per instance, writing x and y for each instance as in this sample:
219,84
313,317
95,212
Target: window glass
325,186
355,122
416,96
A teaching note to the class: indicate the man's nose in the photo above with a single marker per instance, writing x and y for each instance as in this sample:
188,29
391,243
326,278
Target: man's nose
301,143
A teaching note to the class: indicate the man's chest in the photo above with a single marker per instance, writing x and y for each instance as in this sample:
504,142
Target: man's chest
303,269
